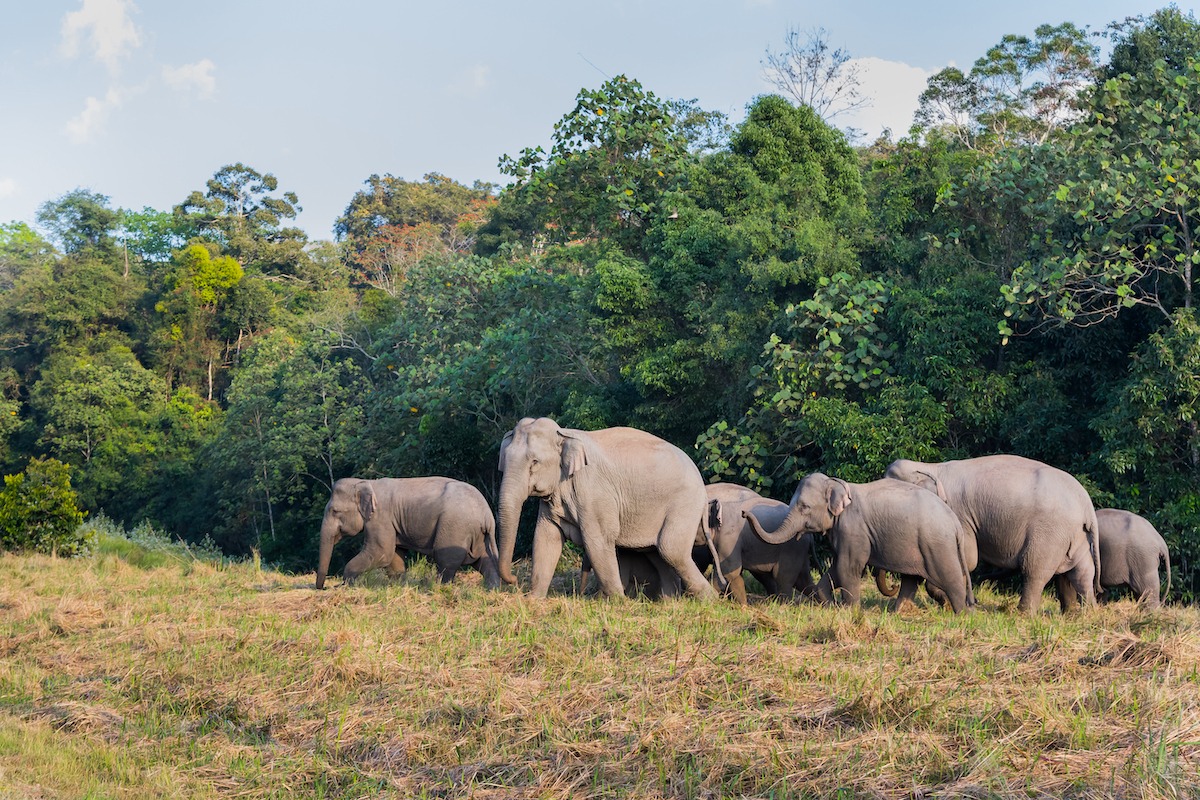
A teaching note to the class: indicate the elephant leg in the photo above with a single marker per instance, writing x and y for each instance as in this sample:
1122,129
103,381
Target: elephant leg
675,548
369,558
1076,585
907,593
937,594
396,568
449,560
1068,598
547,550
737,587
1031,590
825,591
606,569
847,576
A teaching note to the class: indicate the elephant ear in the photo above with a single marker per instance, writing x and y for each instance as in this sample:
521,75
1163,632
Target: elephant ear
367,504
714,514
504,443
929,481
574,455
839,496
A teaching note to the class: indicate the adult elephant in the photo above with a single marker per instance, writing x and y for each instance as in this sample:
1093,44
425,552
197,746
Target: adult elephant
440,517
888,524
616,487
783,569
1130,553
1020,514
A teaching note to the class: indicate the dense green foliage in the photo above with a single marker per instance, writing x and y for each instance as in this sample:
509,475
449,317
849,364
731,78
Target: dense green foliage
39,511
1014,275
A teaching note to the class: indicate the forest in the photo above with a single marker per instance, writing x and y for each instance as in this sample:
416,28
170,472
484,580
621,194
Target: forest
1014,274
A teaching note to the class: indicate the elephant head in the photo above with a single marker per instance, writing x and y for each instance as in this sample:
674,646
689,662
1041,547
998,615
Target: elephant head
536,457
350,505
817,502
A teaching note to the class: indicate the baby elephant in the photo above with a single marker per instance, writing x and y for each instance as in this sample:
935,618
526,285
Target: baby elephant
884,524
440,517
1130,552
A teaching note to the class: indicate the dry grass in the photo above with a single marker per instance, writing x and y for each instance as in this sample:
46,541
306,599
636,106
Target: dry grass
236,682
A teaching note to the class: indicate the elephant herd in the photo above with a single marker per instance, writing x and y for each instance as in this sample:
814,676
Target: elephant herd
646,522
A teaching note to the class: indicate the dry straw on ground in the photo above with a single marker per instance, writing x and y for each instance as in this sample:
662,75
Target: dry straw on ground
235,682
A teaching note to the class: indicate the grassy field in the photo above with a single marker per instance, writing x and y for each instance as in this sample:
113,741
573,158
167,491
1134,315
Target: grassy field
128,677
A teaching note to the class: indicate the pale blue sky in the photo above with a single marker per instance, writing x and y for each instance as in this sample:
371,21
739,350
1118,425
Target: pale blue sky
143,101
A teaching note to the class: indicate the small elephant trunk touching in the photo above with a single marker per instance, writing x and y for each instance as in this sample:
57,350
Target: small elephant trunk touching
512,497
787,530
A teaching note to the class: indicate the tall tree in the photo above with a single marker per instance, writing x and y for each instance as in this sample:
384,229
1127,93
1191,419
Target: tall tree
1019,92
81,220
613,157
808,71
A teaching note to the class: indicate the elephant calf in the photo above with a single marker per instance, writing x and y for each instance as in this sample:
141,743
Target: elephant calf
888,524
784,570
440,517
1130,553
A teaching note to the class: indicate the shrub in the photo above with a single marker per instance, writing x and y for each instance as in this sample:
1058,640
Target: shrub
38,510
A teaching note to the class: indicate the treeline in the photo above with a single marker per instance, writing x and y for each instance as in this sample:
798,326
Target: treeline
1015,275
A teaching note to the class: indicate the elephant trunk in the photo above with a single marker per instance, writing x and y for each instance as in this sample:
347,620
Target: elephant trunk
881,583
512,497
787,530
329,537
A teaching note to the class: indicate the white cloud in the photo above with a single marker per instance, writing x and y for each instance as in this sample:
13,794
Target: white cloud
198,76
95,112
893,89
106,25
8,187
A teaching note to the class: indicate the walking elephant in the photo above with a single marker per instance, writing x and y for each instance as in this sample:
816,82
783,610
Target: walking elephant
888,524
616,487
783,569
1020,514
440,517
1130,553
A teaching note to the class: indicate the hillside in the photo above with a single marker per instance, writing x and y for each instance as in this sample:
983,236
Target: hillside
199,680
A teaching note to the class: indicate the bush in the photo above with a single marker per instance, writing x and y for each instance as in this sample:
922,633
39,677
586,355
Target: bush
38,510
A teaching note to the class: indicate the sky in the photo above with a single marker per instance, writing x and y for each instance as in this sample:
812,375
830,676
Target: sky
144,101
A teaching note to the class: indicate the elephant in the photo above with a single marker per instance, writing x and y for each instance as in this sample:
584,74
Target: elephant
643,574
888,524
1019,514
615,487
1130,553
782,569
447,519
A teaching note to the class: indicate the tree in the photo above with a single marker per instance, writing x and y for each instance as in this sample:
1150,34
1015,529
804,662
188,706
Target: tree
1168,35
38,510
811,74
1120,228
21,247
81,220
1020,92
613,157
241,211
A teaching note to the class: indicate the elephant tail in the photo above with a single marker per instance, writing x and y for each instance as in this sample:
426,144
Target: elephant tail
1165,557
706,529
959,535
1092,528
492,553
